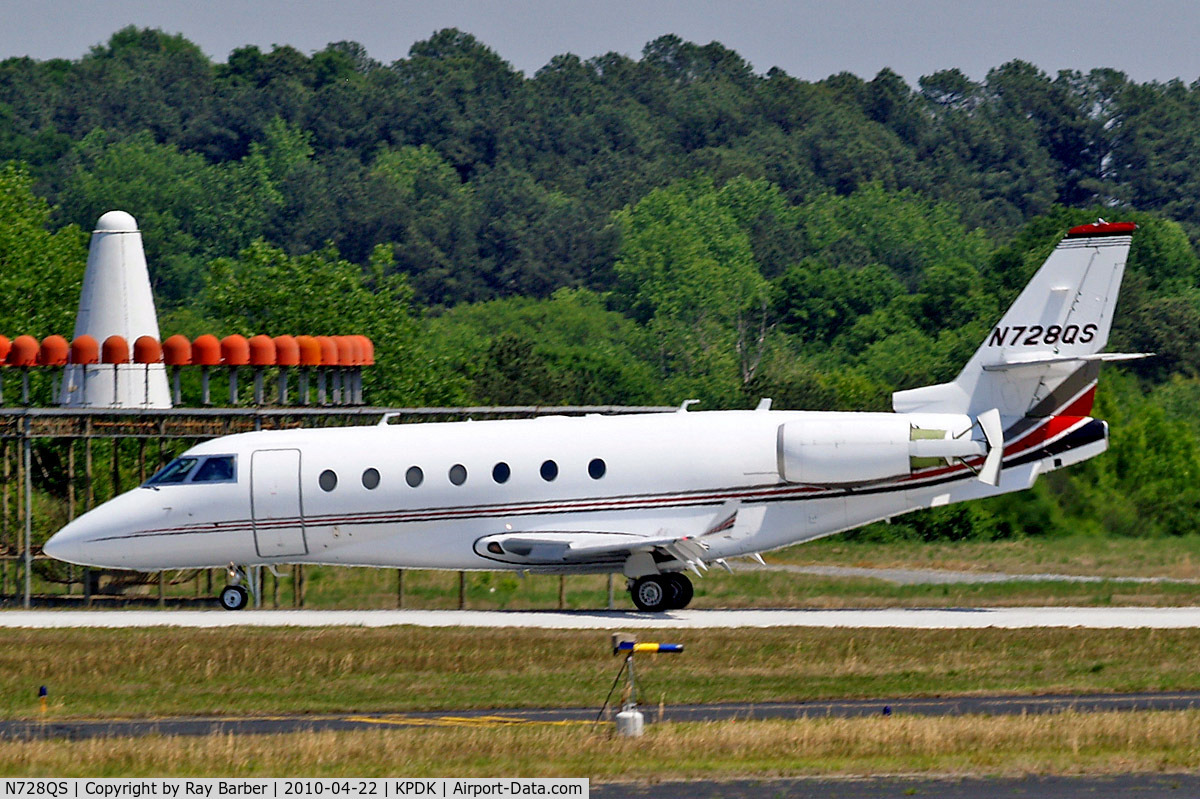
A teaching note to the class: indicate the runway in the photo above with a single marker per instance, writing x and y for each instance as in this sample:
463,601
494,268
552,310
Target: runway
77,729
907,618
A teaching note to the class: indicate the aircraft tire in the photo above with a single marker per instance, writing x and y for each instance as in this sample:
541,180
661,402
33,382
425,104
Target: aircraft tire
680,590
651,593
233,597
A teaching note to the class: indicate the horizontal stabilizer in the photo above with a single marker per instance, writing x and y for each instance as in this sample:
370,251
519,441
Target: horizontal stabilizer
1051,359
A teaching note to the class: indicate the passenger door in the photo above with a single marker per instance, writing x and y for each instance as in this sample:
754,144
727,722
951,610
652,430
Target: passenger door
275,503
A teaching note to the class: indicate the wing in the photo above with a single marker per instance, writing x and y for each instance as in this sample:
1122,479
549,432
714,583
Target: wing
550,549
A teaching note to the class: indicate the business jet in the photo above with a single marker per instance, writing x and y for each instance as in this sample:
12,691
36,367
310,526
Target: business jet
655,497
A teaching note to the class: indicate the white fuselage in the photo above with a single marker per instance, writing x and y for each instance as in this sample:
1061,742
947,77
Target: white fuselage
659,474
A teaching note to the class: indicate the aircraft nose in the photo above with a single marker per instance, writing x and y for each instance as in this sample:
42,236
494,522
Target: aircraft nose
117,535
86,540
68,544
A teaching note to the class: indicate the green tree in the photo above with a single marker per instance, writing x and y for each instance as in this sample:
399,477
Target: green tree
459,96
140,80
566,349
686,269
267,291
187,209
816,302
41,273
983,158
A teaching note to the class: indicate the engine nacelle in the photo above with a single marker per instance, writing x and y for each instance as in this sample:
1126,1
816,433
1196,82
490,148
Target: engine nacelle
850,448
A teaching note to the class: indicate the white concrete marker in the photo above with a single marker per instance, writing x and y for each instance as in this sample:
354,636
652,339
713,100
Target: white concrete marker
116,301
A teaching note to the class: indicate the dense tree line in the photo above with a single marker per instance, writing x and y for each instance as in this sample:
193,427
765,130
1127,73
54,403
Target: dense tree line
621,230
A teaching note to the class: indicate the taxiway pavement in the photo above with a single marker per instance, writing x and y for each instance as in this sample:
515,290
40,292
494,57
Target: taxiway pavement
1120,786
75,729
908,618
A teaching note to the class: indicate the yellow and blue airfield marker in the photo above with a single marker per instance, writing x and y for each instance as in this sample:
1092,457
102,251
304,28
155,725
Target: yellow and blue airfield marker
630,720
635,647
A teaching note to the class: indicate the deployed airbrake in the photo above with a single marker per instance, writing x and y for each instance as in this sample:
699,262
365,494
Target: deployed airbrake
653,497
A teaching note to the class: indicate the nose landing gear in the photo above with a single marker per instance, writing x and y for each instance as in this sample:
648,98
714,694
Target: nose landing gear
658,592
235,596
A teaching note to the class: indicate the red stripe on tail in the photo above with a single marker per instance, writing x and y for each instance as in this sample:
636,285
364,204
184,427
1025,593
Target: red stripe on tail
1082,406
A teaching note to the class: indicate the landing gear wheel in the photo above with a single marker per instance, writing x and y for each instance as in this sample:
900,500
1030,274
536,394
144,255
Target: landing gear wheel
679,590
234,597
651,593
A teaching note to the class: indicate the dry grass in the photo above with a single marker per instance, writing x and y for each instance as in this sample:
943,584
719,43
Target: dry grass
1068,743
145,672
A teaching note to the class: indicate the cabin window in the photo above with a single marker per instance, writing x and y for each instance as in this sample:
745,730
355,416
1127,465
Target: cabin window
414,476
458,474
549,470
174,472
216,469
327,480
597,468
501,472
370,479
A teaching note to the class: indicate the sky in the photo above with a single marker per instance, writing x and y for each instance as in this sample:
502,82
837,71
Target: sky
1148,39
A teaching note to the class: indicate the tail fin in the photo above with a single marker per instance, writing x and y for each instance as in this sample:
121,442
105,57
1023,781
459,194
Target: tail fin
1043,358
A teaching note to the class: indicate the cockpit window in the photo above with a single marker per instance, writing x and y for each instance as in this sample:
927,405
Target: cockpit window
215,469
174,472
211,469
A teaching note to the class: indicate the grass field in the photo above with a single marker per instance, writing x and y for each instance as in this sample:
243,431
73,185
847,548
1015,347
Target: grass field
1177,557
1066,743
149,672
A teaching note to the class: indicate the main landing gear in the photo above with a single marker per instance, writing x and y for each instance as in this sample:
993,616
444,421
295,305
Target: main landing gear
659,592
234,596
